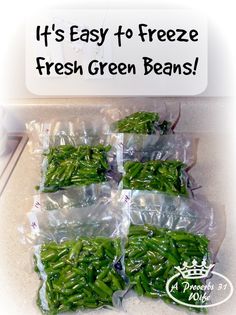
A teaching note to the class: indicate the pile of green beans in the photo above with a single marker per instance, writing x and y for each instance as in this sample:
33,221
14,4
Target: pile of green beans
164,176
142,123
80,274
151,255
69,165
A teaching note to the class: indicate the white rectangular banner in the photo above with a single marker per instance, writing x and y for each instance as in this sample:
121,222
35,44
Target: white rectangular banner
117,52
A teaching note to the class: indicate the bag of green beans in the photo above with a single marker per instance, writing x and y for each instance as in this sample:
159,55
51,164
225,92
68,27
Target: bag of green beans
169,176
164,233
160,164
152,256
195,215
72,152
77,161
69,165
142,117
78,254
78,274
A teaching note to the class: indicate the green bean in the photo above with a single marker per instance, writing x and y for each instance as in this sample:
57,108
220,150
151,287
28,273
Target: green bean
151,255
103,273
165,176
69,165
138,285
49,256
97,290
75,251
88,304
151,294
75,298
63,252
102,285
142,123
59,265
115,281
77,277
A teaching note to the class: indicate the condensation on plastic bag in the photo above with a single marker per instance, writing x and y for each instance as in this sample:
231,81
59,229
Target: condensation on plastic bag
176,213
169,111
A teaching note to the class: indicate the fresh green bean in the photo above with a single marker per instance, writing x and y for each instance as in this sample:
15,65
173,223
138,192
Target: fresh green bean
165,176
69,165
142,123
77,277
151,255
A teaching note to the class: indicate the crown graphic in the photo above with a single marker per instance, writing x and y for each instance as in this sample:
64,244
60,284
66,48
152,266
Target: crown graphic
195,271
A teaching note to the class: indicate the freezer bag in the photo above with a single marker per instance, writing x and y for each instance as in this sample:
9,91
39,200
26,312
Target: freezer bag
167,233
142,117
79,257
